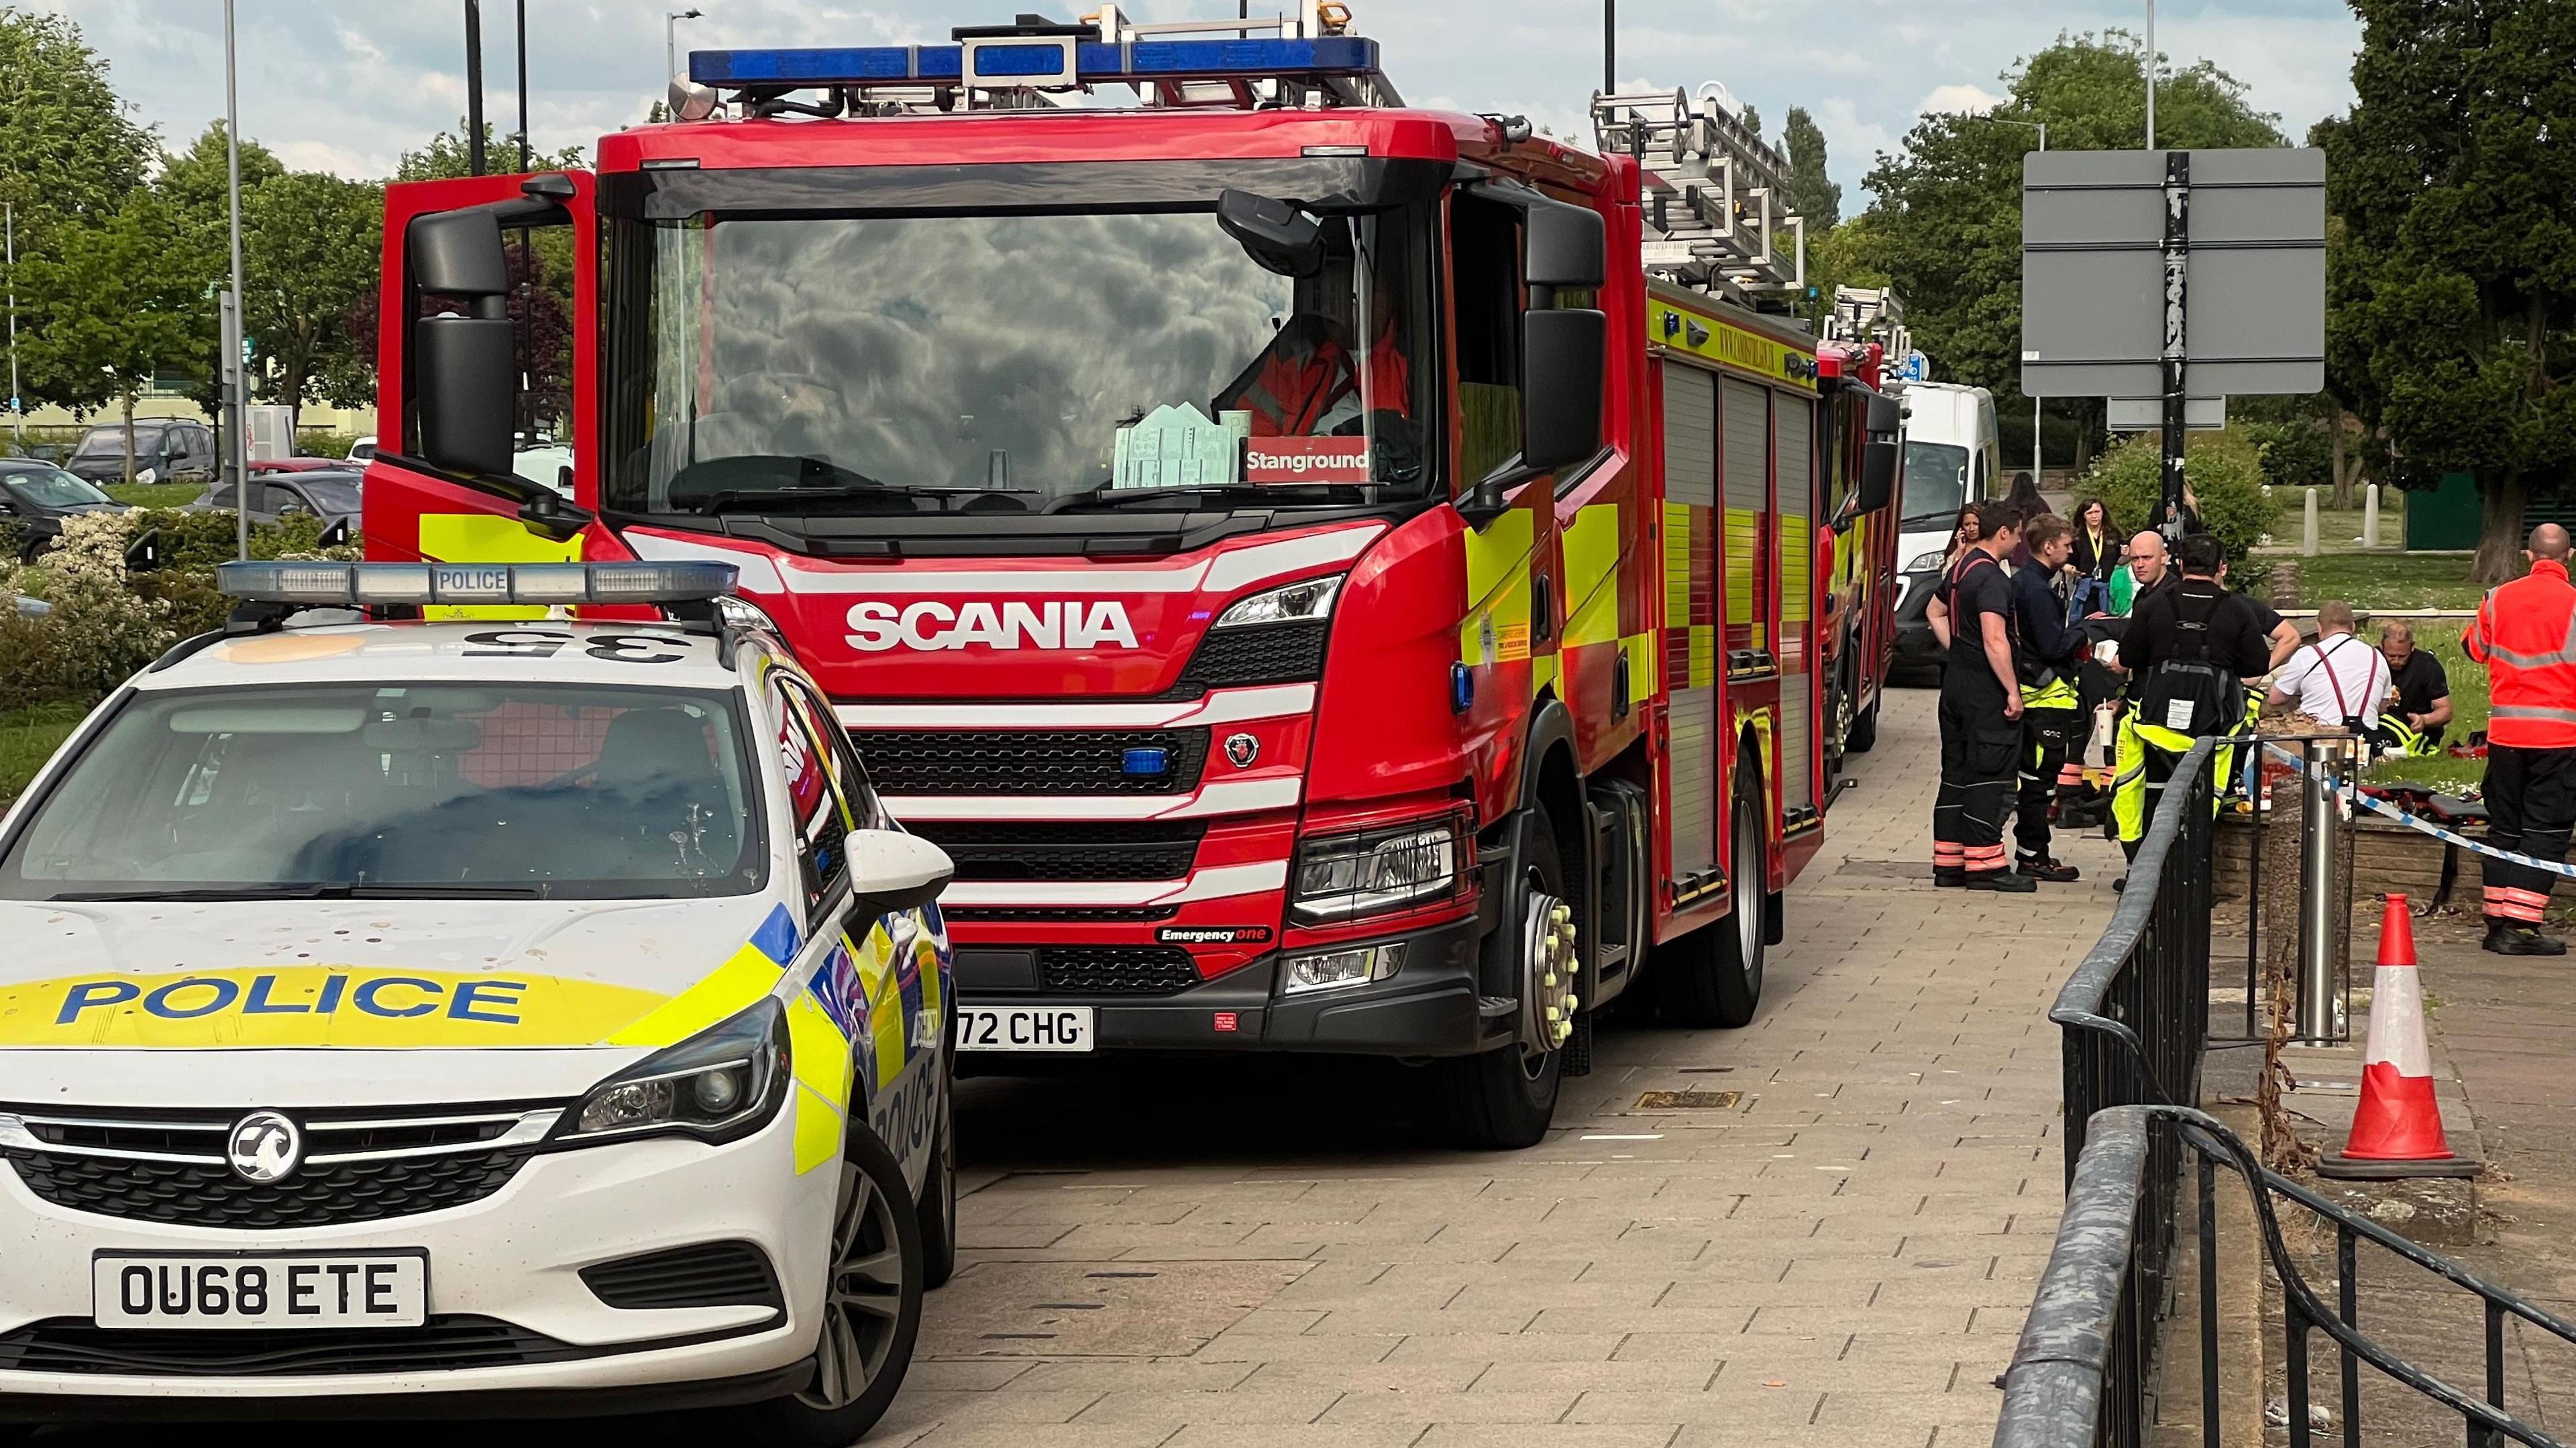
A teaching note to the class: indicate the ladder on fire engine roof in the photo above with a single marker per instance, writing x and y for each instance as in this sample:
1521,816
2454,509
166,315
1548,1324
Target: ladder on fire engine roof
1713,192
1863,315
1306,60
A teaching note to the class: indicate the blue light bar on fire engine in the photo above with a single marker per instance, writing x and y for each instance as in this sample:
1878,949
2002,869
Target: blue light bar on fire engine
1005,63
352,585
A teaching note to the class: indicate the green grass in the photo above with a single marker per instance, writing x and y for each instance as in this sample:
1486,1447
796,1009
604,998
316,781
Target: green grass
2389,580
155,495
29,737
2468,712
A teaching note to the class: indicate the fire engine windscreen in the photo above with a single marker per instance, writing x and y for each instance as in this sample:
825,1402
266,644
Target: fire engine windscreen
1010,363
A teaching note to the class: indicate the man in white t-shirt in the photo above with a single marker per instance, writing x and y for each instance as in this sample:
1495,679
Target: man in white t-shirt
2339,680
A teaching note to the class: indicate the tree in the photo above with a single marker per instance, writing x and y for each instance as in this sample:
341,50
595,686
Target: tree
112,307
446,157
69,153
2452,330
1946,224
197,181
312,250
1812,192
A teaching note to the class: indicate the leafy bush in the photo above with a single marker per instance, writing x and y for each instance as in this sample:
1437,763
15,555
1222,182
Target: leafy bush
325,444
2295,454
2225,472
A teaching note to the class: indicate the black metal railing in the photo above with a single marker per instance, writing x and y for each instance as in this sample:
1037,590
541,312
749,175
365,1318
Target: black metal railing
2134,1018
2084,1371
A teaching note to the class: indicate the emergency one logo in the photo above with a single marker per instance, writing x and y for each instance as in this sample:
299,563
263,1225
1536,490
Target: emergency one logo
932,627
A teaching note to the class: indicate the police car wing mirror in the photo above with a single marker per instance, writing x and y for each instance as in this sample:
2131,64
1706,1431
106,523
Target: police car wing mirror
1280,235
891,871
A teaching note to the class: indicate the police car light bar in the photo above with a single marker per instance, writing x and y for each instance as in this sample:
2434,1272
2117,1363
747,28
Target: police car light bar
1040,61
353,585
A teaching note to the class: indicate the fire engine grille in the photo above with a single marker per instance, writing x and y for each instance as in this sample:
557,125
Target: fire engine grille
1116,969
1033,761
1279,653
1070,851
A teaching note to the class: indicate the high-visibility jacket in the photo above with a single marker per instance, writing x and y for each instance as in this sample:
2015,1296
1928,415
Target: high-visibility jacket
2525,634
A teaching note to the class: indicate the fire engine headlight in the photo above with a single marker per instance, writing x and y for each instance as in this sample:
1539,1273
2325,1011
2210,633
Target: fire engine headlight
1341,876
1339,969
1307,602
1927,562
722,1084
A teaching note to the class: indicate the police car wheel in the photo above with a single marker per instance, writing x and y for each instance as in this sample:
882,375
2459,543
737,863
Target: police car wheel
938,1206
1864,728
871,1310
1505,1098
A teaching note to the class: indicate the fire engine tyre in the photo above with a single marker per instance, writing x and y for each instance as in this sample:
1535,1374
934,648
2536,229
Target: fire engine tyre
1713,976
1864,728
871,1309
1504,1099
938,1205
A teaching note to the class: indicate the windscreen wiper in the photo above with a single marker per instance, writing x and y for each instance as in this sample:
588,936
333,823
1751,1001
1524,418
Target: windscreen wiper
761,500
1110,495
335,890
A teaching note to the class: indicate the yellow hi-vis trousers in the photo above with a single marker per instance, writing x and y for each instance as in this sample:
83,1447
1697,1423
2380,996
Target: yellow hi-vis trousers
2145,756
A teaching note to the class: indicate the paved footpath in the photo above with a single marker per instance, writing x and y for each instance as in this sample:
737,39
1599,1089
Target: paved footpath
1841,1253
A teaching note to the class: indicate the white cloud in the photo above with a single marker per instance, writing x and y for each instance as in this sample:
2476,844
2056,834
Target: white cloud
1971,99
351,84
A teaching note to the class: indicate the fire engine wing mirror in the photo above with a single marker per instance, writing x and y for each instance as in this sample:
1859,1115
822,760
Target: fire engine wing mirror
1883,454
465,367
1566,247
1278,234
1564,352
892,871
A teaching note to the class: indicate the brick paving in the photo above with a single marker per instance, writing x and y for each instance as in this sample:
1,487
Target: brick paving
1265,1253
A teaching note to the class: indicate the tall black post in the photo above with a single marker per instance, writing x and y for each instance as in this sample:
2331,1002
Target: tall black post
523,92
2176,354
474,87
1609,47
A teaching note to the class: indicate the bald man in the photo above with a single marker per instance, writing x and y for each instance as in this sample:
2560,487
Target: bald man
2521,635
2147,570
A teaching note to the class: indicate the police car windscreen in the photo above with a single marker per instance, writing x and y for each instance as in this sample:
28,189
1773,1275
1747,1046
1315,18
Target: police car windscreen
1004,364
553,791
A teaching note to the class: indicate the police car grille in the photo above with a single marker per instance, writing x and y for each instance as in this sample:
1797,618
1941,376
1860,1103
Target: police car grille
1236,658
710,1274
1072,850
358,1166
1117,969
1032,761
442,1344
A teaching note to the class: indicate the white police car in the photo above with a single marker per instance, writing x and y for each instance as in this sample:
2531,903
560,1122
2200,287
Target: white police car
469,1018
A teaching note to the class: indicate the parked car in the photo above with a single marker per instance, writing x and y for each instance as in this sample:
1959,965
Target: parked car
363,450
299,465
37,497
330,496
546,465
166,450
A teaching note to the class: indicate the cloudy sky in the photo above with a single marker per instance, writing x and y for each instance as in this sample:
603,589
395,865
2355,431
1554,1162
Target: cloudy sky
347,85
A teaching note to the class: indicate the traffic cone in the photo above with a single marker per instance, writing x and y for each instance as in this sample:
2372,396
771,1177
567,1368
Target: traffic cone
2397,1128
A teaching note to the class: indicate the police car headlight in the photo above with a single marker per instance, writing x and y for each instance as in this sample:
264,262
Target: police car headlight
1341,876
721,1084
1927,562
1307,602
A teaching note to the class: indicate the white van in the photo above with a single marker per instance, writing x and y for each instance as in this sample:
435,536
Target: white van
1953,457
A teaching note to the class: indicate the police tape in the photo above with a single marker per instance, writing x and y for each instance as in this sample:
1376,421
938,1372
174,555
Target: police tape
2414,821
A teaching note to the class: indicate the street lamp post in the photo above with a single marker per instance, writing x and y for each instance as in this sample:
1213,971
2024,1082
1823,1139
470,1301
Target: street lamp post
2037,462
474,161
2151,74
17,409
671,39
236,415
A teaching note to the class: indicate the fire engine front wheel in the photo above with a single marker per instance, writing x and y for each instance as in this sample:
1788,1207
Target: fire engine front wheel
1505,1098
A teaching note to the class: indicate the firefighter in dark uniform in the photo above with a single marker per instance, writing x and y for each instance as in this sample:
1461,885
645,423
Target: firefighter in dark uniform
2189,649
2052,713
2522,635
1980,712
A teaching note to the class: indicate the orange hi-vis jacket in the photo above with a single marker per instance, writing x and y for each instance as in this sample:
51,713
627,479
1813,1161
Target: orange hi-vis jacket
2525,634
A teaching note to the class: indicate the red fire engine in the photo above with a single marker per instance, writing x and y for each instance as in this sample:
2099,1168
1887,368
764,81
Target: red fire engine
1335,577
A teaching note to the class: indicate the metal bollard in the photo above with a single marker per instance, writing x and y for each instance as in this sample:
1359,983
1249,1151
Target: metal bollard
2320,881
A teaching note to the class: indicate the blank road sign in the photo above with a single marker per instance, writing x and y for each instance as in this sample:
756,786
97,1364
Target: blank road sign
2093,300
